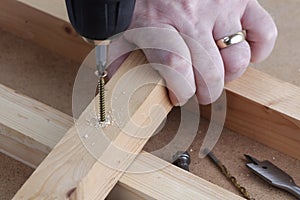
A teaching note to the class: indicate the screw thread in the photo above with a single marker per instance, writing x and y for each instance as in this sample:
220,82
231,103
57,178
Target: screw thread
102,114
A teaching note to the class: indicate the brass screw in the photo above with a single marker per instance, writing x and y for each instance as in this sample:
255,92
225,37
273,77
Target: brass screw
101,90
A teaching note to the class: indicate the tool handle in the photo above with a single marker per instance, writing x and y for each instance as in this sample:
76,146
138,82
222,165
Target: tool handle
295,190
100,19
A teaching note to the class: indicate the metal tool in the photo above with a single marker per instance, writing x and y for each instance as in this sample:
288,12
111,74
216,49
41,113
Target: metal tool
273,175
226,173
95,21
101,62
182,159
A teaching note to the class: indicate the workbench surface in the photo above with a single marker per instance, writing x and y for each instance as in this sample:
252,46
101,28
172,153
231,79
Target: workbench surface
48,77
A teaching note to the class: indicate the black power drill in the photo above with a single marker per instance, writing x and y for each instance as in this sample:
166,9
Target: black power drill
96,21
100,19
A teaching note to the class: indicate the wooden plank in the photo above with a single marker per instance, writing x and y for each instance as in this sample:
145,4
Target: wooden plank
264,109
27,147
67,161
20,150
170,182
131,143
24,114
48,31
16,109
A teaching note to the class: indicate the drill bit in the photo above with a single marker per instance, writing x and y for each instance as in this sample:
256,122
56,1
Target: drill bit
273,175
101,62
226,173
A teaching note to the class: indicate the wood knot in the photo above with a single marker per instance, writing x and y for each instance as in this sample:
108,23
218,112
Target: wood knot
68,29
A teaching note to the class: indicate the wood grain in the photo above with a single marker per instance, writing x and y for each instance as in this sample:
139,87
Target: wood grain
67,161
29,116
24,146
264,109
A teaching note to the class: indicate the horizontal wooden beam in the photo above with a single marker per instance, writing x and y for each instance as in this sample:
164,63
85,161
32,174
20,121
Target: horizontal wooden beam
264,109
29,116
131,186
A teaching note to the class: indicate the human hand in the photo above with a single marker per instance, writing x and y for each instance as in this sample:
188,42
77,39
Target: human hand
179,38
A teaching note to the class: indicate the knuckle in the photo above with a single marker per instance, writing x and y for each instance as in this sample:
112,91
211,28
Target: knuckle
211,78
189,94
271,34
210,87
178,63
239,65
237,58
207,96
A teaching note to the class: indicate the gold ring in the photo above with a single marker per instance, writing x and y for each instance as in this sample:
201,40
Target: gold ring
231,39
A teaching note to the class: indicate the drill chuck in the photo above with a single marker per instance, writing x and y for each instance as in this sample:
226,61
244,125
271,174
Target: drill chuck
100,19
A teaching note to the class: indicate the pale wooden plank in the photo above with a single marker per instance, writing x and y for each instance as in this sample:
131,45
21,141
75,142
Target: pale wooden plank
133,143
273,116
67,161
87,189
20,150
29,116
166,184
15,108
264,109
266,90
131,186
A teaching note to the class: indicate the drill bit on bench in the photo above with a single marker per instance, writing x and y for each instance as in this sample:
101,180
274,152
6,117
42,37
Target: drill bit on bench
226,173
273,175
